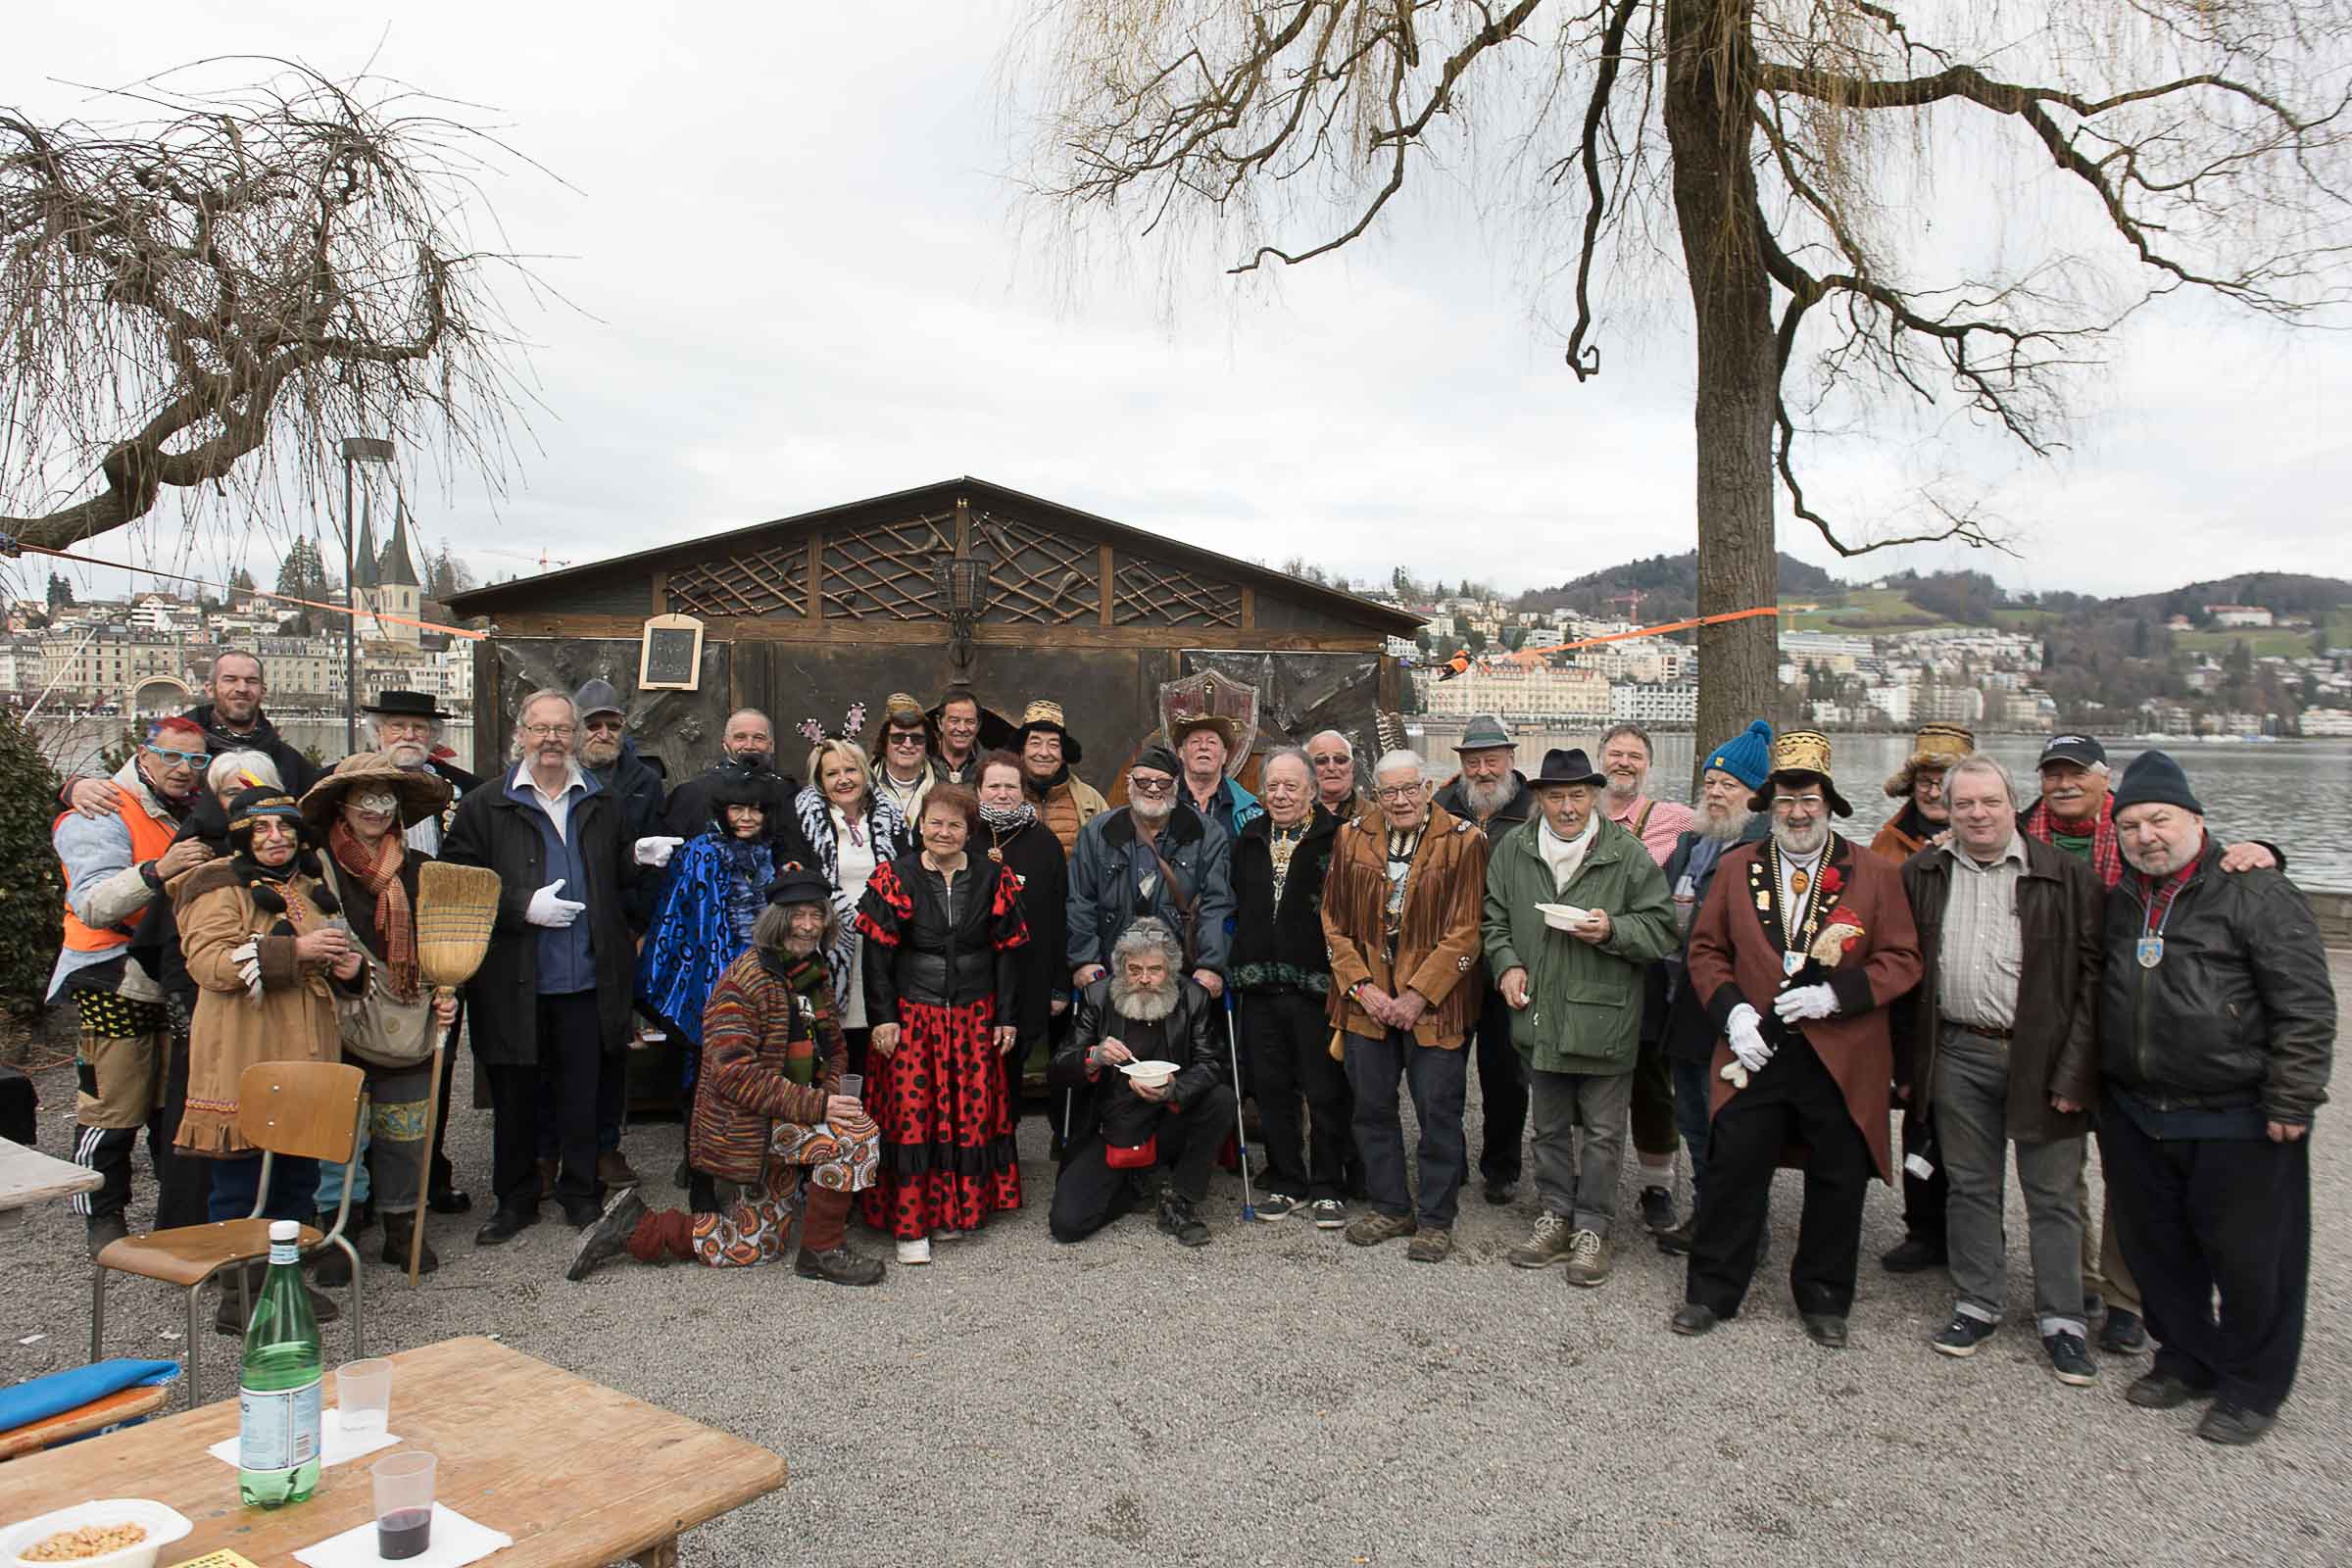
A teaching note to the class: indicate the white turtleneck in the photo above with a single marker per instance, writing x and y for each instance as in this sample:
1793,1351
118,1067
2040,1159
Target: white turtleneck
1565,857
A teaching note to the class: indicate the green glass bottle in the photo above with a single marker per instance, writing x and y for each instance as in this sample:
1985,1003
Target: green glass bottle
279,1395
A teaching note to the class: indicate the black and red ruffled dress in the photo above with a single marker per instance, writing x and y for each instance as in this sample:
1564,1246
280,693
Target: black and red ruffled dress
939,960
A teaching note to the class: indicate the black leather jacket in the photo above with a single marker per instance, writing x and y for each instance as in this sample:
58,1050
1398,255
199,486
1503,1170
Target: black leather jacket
2239,1013
1191,1035
950,952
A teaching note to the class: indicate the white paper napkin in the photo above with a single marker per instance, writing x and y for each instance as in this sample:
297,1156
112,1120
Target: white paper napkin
336,1443
456,1540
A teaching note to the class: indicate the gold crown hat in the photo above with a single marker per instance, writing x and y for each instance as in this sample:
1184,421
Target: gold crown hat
1801,751
1936,746
1044,714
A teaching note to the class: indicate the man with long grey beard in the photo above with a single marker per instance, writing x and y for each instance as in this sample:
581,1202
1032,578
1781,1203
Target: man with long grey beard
1492,793
1796,955
1135,1134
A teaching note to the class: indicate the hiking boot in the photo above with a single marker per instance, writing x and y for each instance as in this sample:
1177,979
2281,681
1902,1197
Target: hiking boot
1915,1253
329,1266
1676,1242
2233,1425
2070,1358
1176,1217
2124,1334
1370,1230
1545,1245
2162,1391
838,1264
105,1230
614,1170
1691,1319
398,1229
1279,1205
1657,1208
1588,1258
1330,1213
1962,1335
607,1236
1430,1245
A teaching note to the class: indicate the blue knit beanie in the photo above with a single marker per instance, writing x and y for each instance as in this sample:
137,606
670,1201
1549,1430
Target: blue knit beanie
2155,779
1746,755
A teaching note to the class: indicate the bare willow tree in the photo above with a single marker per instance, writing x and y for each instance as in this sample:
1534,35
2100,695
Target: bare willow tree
200,297
1797,158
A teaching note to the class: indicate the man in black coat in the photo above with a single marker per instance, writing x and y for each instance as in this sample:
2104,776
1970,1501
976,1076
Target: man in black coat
552,997
749,751
1133,1136
1492,793
1281,975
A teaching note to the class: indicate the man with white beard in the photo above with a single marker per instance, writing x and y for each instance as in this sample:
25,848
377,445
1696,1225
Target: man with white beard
1134,1137
1734,771
1797,954
407,730
1155,856
1493,793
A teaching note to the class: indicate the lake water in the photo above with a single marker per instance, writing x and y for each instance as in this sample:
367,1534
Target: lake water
2295,793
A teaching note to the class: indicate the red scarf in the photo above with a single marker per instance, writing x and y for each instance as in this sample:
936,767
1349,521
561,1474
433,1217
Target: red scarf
2106,857
378,871
2157,894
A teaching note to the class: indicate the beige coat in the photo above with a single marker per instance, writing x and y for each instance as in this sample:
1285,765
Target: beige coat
1437,940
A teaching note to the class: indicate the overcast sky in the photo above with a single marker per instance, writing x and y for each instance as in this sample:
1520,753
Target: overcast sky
801,278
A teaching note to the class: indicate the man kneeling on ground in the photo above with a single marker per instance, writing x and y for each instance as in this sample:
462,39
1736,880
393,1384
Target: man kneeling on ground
1131,1136
765,1110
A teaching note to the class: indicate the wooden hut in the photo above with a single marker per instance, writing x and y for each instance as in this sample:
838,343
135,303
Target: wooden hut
958,582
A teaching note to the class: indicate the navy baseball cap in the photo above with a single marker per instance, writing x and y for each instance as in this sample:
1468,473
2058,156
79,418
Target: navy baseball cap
2083,751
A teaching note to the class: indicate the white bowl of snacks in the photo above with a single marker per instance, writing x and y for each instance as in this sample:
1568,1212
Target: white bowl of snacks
110,1532
1149,1074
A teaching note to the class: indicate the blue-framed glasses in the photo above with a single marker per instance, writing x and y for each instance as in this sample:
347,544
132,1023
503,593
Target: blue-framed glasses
196,761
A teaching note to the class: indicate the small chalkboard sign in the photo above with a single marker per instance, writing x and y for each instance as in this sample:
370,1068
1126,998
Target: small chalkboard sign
671,658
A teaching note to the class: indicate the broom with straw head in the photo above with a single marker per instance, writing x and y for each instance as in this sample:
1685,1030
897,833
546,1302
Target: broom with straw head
456,907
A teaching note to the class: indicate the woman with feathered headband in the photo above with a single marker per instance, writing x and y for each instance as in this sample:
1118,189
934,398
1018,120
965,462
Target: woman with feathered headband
265,944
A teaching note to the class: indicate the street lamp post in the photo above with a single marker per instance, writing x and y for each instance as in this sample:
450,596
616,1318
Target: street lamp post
357,448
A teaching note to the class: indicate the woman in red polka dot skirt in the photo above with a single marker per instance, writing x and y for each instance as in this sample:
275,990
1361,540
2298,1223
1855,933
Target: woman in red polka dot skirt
940,925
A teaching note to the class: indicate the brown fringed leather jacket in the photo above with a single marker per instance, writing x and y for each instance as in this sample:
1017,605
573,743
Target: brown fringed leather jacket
1437,940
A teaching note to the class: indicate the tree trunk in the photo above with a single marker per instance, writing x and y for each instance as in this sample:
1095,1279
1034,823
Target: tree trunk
1715,203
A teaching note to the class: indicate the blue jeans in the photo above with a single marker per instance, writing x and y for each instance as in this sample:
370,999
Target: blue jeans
1439,1079
1691,1118
292,1186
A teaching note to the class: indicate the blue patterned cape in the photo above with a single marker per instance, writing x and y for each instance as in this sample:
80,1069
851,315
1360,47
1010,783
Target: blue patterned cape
692,939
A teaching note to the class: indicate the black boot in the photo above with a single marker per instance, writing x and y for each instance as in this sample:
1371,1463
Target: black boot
329,1266
229,1316
1176,1217
398,1229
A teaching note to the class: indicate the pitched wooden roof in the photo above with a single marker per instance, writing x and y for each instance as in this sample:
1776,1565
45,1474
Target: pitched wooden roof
549,591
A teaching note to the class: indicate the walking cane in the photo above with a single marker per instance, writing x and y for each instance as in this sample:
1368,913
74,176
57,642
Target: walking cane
1240,1133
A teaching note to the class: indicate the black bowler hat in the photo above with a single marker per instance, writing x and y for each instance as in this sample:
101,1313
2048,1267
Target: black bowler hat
403,705
795,885
1569,767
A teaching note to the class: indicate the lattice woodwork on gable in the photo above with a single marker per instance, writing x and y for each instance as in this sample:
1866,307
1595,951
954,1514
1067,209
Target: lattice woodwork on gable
884,572
749,583
1039,576
1149,593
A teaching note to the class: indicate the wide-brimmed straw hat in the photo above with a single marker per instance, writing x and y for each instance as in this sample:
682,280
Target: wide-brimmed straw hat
422,791
1936,747
1801,755
1226,730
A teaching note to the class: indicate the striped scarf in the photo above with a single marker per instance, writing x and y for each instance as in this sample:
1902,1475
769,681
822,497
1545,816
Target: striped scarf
378,871
2106,857
808,977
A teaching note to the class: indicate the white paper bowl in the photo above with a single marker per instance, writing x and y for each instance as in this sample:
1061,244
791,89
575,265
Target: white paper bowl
164,1524
1150,1074
1562,916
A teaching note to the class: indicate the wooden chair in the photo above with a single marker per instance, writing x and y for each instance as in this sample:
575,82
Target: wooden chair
301,1109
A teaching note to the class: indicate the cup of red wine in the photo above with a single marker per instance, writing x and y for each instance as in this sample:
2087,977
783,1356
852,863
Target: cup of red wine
403,1505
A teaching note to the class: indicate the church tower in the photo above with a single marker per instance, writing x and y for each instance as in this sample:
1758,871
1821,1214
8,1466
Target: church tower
396,592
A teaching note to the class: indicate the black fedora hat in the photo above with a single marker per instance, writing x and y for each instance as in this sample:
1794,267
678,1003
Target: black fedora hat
796,884
1569,767
403,705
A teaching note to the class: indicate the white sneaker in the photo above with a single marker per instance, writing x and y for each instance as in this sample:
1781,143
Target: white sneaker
940,1234
917,1251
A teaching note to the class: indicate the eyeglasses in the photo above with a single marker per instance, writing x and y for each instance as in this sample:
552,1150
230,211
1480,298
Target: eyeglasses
545,732
1399,792
189,760
1331,760
1792,803
906,737
1156,787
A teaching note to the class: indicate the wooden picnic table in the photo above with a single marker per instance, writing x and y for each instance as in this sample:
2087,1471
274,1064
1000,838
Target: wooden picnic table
578,1473
27,1176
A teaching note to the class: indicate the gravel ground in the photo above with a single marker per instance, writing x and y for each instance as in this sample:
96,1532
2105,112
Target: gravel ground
1281,1398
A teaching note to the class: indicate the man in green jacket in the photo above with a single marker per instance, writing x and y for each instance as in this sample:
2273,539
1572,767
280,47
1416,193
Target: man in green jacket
1575,907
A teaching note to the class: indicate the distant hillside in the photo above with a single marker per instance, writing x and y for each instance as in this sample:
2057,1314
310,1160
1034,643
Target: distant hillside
1668,586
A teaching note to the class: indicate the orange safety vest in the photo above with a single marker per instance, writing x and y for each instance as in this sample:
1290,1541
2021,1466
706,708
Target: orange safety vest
149,838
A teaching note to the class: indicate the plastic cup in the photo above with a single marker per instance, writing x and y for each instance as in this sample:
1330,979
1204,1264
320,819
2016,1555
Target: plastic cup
363,1394
852,1085
404,1504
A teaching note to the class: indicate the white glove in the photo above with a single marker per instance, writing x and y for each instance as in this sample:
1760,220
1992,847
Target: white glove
249,967
1747,1033
1800,1004
656,852
549,911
